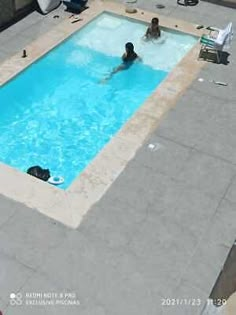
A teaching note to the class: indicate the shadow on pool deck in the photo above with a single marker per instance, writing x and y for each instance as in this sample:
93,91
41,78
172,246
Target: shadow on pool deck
211,57
226,282
225,3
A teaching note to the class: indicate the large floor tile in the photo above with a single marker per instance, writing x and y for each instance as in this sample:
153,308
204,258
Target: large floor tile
208,174
29,236
167,156
13,276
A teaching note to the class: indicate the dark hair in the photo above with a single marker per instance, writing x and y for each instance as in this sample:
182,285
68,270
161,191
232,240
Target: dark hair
155,20
129,46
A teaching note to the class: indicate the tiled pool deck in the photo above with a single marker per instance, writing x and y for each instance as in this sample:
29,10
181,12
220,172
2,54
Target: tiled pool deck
165,226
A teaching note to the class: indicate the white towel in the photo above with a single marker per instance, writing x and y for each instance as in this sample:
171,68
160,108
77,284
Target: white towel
225,36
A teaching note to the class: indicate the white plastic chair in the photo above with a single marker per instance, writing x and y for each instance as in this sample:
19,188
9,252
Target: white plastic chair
217,40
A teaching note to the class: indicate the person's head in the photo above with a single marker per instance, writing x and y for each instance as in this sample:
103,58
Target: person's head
129,47
155,21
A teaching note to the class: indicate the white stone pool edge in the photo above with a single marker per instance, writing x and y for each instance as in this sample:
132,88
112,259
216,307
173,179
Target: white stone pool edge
71,205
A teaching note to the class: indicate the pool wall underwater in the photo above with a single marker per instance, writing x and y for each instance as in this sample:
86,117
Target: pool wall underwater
71,205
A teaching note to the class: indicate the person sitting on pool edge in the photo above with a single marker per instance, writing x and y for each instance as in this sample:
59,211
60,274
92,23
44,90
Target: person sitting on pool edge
153,31
128,59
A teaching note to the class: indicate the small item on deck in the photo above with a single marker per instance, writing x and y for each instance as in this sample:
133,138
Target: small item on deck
56,16
160,6
56,180
209,28
154,146
198,27
219,82
187,2
130,6
76,21
24,54
213,81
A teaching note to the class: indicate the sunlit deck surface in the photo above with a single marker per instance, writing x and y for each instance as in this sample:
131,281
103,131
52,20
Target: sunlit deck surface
165,226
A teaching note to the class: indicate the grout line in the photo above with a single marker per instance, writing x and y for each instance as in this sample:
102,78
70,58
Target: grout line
194,147
175,141
227,189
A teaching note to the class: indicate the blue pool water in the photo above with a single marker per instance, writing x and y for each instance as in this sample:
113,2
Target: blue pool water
58,115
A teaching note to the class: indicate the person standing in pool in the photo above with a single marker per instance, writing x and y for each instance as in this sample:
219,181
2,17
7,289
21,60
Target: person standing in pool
128,59
153,31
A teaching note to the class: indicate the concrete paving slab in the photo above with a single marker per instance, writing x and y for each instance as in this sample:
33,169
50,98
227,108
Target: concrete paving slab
6,35
76,269
158,262
200,115
43,24
164,196
222,226
165,157
40,289
3,55
106,276
214,93
149,190
32,18
210,175
193,211
202,14
219,141
151,6
114,225
37,29
13,276
187,133
15,45
170,6
207,122
202,272
40,283
30,239
143,179
217,72
191,298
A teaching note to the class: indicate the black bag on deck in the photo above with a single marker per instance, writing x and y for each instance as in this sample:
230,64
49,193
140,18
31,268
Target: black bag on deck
39,172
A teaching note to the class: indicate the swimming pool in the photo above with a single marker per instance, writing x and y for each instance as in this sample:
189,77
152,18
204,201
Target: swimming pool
58,115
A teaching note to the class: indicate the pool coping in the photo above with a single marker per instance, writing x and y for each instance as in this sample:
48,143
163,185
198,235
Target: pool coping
70,205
